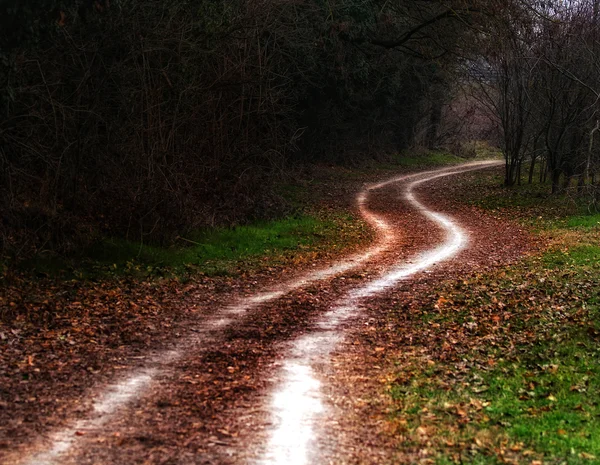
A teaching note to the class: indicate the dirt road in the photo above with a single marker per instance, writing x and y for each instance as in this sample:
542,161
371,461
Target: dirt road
248,384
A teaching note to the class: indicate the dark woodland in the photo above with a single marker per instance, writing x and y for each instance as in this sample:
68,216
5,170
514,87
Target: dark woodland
146,120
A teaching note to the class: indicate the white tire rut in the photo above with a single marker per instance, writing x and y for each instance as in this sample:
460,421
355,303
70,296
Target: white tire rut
297,403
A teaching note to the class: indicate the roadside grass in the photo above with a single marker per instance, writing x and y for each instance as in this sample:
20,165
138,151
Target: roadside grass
533,203
216,252
428,159
585,222
504,366
527,197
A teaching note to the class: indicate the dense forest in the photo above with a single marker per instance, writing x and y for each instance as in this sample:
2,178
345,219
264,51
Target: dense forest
146,120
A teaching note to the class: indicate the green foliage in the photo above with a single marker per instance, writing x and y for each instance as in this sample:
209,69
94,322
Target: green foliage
585,222
211,252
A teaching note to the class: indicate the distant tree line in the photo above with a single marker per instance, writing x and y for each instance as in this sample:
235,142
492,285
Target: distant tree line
146,120
541,80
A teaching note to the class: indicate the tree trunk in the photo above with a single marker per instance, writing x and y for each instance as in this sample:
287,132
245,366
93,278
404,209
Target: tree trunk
586,173
567,181
435,119
556,181
581,184
531,170
509,174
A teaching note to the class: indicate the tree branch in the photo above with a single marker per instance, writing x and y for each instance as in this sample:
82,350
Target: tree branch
450,13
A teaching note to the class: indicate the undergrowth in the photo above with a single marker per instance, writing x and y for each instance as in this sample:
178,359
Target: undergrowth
222,251
323,227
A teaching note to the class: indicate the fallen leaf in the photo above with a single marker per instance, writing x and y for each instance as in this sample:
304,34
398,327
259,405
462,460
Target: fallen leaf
421,431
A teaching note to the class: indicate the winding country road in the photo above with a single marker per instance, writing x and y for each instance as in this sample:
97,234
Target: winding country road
244,385
297,402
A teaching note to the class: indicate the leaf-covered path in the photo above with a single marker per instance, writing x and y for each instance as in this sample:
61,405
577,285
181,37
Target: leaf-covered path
208,396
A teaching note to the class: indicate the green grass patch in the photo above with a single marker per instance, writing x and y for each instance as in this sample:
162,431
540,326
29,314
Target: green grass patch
514,375
585,222
547,405
533,203
222,251
528,201
573,257
432,158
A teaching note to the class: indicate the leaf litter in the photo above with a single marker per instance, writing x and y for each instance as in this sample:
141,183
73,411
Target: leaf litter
492,359
211,409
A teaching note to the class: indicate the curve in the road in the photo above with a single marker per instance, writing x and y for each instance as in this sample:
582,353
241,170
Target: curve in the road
110,400
297,402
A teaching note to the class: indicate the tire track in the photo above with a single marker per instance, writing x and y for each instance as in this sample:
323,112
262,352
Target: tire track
109,401
297,402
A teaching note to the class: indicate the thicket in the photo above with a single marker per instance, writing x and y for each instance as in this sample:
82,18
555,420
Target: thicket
537,70
147,120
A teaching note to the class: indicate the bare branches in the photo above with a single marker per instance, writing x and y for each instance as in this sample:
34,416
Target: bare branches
544,85
408,35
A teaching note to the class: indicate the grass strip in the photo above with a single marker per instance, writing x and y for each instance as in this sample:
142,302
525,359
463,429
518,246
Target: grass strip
216,252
